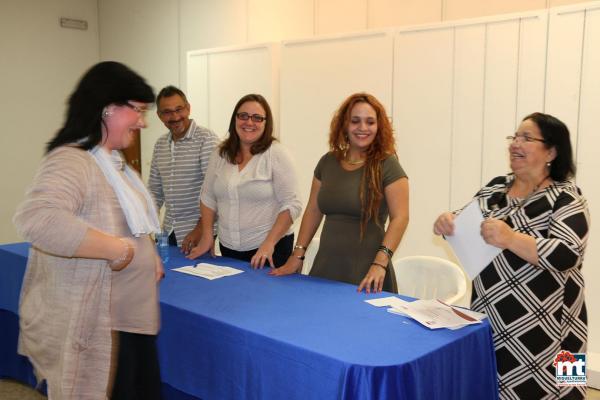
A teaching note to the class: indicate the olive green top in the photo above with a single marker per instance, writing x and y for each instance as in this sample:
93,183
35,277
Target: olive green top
342,255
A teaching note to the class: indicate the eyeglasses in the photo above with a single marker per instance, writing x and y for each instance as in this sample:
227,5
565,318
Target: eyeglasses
170,113
523,139
139,110
244,116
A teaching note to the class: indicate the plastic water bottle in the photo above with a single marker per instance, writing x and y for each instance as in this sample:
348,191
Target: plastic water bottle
162,240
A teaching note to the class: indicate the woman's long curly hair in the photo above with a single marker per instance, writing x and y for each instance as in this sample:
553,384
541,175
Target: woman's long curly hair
383,146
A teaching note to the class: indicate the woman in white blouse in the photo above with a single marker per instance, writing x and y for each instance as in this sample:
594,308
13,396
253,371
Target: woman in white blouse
251,186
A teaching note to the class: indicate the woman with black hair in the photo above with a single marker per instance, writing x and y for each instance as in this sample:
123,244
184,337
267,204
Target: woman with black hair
533,291
89,301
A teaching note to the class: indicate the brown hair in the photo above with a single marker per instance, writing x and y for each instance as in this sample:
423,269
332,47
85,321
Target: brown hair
231,146
383,146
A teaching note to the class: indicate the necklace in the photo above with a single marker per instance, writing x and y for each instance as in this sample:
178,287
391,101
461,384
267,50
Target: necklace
351,161
536,187
520,202
354,162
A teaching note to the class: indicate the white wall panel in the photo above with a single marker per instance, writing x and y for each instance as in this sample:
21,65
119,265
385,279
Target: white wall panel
210,24
423,116
500,96
279,20
336,16
563,78
455,9
218,78
385,13
532,65
197,86
467,114
316,77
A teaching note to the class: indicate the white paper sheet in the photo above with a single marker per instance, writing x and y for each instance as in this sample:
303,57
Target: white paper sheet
468,245
390,301
208,271
435,314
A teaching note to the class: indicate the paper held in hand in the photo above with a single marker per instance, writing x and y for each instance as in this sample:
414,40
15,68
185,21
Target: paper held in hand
472,251
433,314
208,271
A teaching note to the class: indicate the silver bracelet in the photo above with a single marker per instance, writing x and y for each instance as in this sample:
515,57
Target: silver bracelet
388,252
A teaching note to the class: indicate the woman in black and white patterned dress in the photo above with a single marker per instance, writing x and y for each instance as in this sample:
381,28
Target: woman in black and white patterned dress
533,292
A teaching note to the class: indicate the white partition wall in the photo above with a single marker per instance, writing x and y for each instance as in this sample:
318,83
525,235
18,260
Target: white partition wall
218,78
423,85
316,76
459,90
467,112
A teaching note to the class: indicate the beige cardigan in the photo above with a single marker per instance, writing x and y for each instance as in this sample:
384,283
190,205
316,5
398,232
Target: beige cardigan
65,321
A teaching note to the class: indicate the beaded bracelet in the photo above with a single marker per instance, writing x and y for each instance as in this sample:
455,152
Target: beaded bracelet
386,250
299,247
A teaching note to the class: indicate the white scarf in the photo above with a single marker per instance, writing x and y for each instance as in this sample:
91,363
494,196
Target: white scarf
139,221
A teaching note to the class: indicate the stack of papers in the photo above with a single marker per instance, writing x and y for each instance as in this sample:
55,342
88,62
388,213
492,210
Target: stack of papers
208,271
434,314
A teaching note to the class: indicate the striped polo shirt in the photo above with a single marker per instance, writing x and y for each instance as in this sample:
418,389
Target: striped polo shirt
176,176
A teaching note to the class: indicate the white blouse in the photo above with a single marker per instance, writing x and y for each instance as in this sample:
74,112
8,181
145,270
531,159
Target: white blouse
247,202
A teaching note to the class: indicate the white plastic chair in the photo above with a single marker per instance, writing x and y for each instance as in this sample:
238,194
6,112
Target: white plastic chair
426,277
309,256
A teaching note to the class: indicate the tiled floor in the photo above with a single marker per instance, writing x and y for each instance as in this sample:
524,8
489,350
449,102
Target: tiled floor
11,390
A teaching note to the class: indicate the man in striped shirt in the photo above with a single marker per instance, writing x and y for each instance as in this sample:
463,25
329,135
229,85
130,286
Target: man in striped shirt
178,167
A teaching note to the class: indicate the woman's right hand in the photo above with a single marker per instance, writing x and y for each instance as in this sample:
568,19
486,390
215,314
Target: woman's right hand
291,266
206,243
444,224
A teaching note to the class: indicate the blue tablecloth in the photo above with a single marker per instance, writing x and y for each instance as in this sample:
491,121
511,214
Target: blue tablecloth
253,336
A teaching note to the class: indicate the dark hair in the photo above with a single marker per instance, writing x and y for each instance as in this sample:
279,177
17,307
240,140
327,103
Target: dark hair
556,134
105,83
383,146
231,146
169,91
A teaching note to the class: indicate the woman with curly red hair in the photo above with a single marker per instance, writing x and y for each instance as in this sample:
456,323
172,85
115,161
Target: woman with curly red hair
357,185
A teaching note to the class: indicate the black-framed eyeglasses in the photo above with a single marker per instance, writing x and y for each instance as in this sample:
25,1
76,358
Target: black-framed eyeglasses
244,116
139,110
523,139
170,113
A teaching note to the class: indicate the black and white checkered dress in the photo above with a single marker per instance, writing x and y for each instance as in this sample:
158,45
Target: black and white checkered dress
535,311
